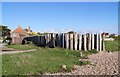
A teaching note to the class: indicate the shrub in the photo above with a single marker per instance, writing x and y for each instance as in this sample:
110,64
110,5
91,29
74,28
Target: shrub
83,62
94,51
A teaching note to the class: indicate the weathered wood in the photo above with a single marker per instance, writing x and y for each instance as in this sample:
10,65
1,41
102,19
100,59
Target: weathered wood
75,41
100,42
97,42
80,41
85,47
57,40
93,41
51,43
48,39
60,37
89,42
63,40
54,37
103,43
67,40
38,40
71,41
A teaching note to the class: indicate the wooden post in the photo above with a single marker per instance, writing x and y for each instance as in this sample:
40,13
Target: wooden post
100,40
48,39
51,40
57,40
75,41
93,41
54,39
89,42
63,40
45,38
67,40
97,41
71,41
103,42
85,48
60,37
38,40
80,41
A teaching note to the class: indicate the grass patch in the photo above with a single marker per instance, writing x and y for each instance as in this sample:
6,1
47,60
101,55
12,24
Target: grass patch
38,62
22,47
111,45
83,62
87,53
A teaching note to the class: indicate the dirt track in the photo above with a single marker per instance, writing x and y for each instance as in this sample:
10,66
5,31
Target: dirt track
14,52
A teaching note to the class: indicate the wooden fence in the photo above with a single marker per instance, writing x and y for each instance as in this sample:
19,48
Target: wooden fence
69,41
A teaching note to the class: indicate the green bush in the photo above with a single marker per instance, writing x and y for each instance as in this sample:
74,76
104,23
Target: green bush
83,62
111,45
94,51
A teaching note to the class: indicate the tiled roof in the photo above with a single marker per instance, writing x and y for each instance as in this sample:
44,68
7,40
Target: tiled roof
19,30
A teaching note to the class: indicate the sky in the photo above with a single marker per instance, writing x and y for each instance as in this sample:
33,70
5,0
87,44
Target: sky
60,0
82,17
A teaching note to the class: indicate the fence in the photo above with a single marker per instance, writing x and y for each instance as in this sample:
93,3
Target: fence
71,41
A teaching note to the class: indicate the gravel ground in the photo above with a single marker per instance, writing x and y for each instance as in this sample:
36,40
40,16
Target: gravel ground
102,63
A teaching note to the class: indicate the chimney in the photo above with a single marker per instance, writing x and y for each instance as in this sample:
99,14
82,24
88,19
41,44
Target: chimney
29,29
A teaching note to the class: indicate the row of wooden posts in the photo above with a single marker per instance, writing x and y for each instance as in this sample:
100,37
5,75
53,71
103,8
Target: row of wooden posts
71,41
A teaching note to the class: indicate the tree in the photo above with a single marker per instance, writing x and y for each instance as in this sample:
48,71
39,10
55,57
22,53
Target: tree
38,33
4,31
112,36
27,30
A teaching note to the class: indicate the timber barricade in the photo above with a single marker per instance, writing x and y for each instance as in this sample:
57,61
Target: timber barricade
72,41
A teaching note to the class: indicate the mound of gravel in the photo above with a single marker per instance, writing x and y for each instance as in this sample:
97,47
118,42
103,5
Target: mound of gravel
102,63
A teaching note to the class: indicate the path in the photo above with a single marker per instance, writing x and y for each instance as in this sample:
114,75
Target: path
14,52
5,50
103,63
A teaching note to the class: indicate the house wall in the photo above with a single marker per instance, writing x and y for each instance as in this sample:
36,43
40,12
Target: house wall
16,38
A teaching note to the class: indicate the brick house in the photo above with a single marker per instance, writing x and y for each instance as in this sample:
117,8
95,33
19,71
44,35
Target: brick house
18,35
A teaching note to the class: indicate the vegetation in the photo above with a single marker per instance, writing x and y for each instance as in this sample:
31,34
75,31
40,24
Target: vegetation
27,30
113,45
22,47
85,54
5,34
41,60
83,62
113,36
4,30
0,66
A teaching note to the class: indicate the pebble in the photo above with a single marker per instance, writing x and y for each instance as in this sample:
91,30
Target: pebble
103,63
